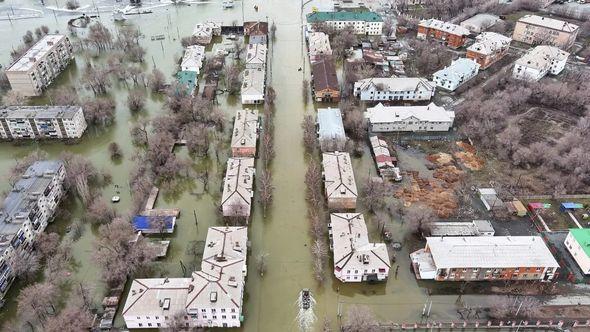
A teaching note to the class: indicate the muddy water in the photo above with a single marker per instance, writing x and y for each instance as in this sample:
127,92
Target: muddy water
283,234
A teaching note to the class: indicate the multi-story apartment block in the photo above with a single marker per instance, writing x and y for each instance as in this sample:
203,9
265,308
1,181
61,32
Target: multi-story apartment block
203,33
318,45
212,297
383,119
339,182
253,86
363,23
457,73
245,133
394,88
486,258
488,48
540,61
40,122
26,211
331,133
539,30
256,56
193,59
577,244
40,65
355,258
452,35
238,190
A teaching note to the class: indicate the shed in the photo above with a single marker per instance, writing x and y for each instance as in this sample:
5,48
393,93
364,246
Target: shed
152,224
567,206
517,208
536,205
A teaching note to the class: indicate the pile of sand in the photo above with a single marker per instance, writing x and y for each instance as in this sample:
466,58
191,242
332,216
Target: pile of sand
449,174
468,157
429,192
440,158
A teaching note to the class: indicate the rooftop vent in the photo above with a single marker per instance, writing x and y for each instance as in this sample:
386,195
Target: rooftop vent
213,297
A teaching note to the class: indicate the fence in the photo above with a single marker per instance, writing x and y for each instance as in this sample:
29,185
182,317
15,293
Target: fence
487,325
579,196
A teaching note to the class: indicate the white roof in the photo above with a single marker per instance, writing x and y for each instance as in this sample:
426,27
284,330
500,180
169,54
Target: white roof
253,82
237,187
351,244
389,114
444,26
480,21
338,175
319,43
36,52
256,54
458,69
460,228
245,129
146,296
395,83
193,58
548,22
488,42
330,124
490,252
541,57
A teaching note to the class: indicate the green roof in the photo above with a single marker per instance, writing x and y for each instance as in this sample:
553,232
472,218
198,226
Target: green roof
343,16
187,78
582,236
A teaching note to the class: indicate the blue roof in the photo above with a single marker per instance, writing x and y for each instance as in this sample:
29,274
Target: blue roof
458,69
571,205
148,223
330,123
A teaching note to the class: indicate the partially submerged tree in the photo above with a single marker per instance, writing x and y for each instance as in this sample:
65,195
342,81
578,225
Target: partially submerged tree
99,111
359,318
115,151
100,212
136,100
418,217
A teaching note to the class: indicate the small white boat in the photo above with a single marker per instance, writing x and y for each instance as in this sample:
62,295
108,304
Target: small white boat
228,4
119,15
115,199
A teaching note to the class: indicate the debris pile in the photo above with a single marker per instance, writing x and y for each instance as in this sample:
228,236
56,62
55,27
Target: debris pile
440,198
468,157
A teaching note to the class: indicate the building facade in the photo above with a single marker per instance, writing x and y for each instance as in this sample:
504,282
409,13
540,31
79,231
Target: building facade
42,122
355,258
35,70
538,62
238,188
245,134
339,183
363,23
456,74
212,297
325,87
484,258
331,133
539,30
451,34
394,88
383,119
488,48
577,244
26,212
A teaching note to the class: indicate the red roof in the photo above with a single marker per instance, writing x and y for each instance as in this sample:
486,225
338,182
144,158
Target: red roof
383,158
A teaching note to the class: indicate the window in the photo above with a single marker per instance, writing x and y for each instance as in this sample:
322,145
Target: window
140,324
233,310
222,310
233,316
149,324
223,317
214,317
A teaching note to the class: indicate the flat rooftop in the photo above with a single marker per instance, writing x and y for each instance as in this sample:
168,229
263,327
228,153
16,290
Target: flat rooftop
39,112
549,22
39,50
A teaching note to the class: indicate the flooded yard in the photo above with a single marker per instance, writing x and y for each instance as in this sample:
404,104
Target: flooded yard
270,302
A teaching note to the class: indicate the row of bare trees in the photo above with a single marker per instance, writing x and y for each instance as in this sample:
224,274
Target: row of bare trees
267,151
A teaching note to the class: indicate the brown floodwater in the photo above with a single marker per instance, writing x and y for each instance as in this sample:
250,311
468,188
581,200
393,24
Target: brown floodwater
283,234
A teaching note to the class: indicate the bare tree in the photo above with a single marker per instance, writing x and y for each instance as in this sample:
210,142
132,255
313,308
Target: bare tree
273,31
310,141
360,318
231,73
46,244
35,302
81,175
418,217
355,124
4,82
14,98
72,4
99,37
266,190
373,194
197,139
72,318
24,264
139,132
100,212
96,79
22,164
128,42
64,95
157,80
115,151
136,100
99,111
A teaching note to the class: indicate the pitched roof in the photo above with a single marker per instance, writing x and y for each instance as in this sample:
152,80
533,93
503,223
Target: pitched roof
365,16
549,22
338,175
253,82
237,186
444,26
458,69
330,124
396,83
490,252
193,58
489,42
582,236
245,130
387,114
541,57
324,74
256,54
255,28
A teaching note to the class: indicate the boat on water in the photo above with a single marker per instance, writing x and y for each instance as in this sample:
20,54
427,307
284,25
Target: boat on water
115,199
118,15
228,4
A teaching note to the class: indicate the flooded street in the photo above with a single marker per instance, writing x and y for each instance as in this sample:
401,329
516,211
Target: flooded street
269,302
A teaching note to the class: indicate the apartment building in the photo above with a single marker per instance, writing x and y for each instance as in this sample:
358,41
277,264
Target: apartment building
324,80
331,133
488,48
457,73
26,211
256,56
480,22
318,45
236,200
339,183
539,30
461,228
538,62
484,258
253,86
394,88
364,22
577,244
212,297
204,32
245,133
42,122
355,258
452,35
193,59
383,119
35,70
